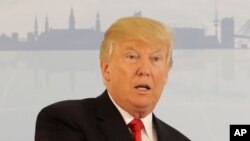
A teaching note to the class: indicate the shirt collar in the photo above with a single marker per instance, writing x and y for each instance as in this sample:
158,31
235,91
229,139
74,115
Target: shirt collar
147,121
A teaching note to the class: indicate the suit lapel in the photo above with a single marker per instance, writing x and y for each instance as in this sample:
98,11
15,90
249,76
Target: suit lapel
166,132
162,135
111,122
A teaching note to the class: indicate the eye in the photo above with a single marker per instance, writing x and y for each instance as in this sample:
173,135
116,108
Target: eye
132,57
156,58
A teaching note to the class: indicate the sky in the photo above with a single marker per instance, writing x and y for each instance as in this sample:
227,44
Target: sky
19,15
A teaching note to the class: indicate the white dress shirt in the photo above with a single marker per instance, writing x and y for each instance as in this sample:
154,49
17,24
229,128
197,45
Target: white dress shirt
148,133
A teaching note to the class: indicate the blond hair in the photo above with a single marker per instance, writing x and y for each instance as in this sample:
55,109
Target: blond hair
138,28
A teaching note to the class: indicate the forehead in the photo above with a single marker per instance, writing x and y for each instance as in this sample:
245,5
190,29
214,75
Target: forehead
140,45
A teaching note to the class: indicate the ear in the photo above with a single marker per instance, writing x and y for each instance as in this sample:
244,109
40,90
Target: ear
105,71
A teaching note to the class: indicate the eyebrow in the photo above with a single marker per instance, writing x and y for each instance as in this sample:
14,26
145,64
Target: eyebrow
130,47
133,48
157,50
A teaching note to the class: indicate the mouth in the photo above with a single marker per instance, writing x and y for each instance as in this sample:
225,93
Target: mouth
143,87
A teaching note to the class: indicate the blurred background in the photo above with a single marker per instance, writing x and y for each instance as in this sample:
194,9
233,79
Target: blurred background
49,52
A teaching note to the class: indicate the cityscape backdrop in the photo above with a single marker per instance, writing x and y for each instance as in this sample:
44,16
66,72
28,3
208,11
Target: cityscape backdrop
71,38
49,52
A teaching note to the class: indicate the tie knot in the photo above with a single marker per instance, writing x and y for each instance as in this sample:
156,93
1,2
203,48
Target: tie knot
136,125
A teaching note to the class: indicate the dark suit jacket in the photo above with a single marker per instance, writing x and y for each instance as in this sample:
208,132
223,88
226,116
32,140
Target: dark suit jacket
93,119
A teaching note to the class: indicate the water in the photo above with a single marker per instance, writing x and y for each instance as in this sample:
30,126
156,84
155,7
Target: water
207,89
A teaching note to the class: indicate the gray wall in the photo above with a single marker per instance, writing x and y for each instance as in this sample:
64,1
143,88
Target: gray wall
42,61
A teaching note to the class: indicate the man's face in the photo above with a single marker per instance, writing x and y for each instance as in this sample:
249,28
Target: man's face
135,75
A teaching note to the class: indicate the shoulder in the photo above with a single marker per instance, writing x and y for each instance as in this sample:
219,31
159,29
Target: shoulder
70,104
68,109
166,131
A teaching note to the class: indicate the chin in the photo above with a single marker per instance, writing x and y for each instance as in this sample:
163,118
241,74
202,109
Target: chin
143,106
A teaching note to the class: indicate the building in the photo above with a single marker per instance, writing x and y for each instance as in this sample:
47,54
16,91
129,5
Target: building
70,38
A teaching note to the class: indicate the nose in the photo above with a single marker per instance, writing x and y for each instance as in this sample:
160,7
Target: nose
144,68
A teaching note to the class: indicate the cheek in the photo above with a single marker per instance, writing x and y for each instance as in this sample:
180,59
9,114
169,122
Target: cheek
165,75
121,75
166,79
161,78
125,70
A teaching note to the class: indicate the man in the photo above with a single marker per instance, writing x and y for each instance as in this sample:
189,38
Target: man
135,58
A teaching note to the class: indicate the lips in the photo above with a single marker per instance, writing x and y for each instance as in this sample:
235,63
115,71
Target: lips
143,87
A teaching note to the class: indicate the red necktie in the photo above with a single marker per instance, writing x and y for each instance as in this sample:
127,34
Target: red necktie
136,126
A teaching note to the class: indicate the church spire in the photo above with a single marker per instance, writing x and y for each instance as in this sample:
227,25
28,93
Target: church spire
71,20
216,20
46,23
98,24
36,28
